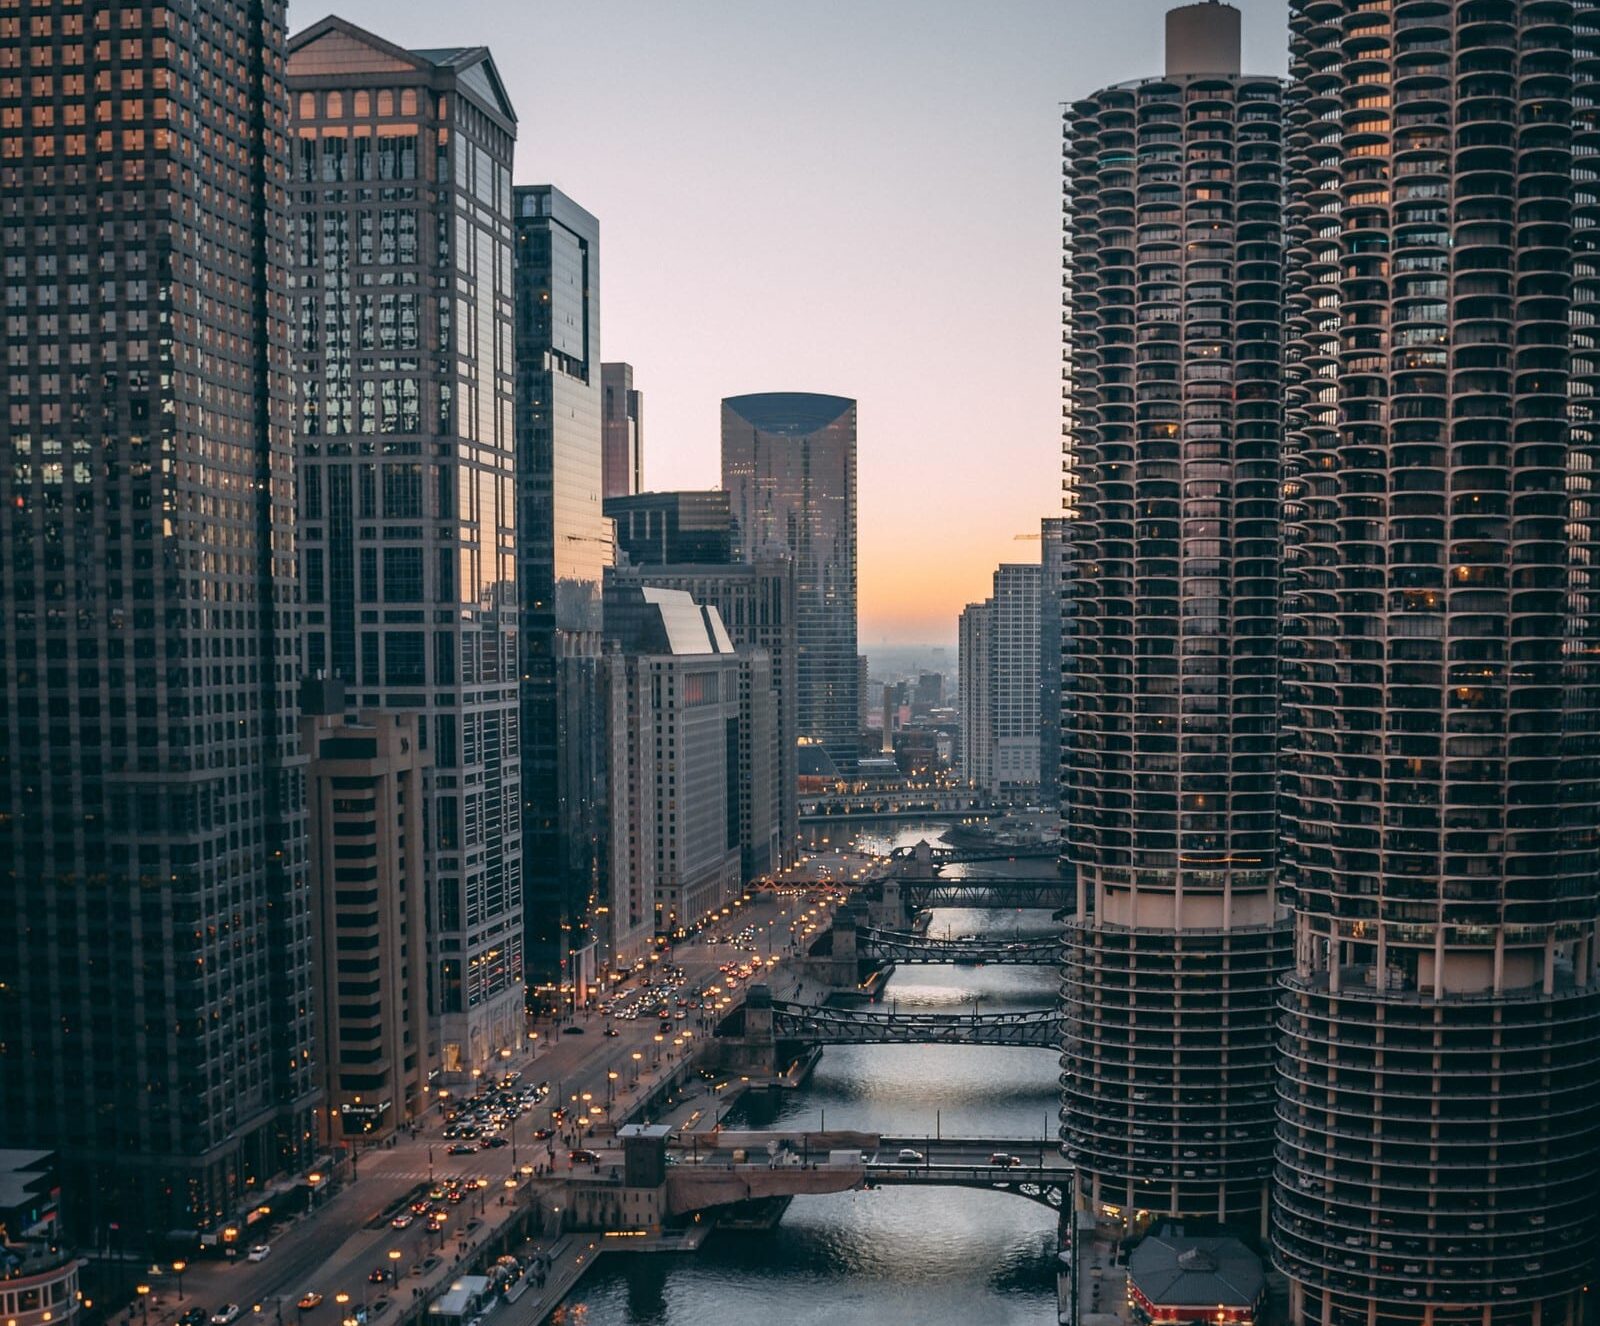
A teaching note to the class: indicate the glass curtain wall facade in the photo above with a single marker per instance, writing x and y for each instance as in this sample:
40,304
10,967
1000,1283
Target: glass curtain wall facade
566,545
401,203
1441,1023
789,465
1173,217
155,967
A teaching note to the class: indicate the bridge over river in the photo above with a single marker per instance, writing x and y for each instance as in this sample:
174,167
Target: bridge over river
909,946
819,1024
733,1167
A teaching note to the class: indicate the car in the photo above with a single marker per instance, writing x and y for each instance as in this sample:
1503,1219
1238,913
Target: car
1004,1160
461,1149
402,1220
226,1315
490,1142
194,1317
583,1157
539,1134
911,1155
572,1031
309,1300
377,1275
612,1031
259,1252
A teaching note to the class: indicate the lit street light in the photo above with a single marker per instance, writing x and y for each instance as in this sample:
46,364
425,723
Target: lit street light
144,1301
178,1268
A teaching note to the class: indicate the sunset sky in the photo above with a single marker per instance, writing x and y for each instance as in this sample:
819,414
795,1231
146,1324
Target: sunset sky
856,197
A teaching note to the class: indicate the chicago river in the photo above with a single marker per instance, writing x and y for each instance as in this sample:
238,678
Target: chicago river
888,1256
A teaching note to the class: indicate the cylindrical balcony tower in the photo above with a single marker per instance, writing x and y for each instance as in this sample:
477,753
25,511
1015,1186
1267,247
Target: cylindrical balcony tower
1174,363
1440,1028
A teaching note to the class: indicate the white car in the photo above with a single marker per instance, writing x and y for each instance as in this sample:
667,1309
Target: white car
910,1155
226,1315
260,1252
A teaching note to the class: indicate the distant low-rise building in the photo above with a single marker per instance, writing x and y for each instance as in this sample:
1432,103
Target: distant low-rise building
38,1273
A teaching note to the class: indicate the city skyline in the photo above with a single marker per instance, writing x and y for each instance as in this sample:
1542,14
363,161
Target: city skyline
751,248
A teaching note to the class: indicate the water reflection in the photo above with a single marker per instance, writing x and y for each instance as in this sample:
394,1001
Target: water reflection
895,1256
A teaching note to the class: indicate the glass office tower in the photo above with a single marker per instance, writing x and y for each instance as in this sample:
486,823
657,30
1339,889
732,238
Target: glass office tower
1441,1023
155,1021
1173,218
789,463
565,547
401,195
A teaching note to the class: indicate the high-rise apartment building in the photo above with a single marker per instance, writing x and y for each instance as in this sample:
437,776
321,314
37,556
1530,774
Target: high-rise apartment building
999,707
401,210
566,545
789,464
1440,1024
755,601
656,528
622,417
976,662
1174,280
1014,679
1052,604
364,796
156,963
683,683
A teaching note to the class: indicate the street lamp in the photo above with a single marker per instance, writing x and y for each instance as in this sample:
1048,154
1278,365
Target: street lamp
178,1268
394,1265
144,1301
611,1086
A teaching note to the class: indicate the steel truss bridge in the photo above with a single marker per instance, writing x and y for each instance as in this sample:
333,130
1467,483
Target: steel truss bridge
1052,895
907,946
815,1024
958,856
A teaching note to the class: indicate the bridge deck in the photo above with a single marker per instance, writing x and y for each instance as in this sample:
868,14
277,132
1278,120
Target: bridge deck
714,1178
820,1025
908,946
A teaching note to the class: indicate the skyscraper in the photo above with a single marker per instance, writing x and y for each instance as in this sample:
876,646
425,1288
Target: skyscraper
1052,567
976,648
756,603
999,647
1014,679
565,547
622,415
156,992
683,681
789,463
1441,1022
401,196
364,794
1174,278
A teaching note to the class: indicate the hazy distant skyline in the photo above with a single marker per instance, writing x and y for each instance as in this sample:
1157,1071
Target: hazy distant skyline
854,197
